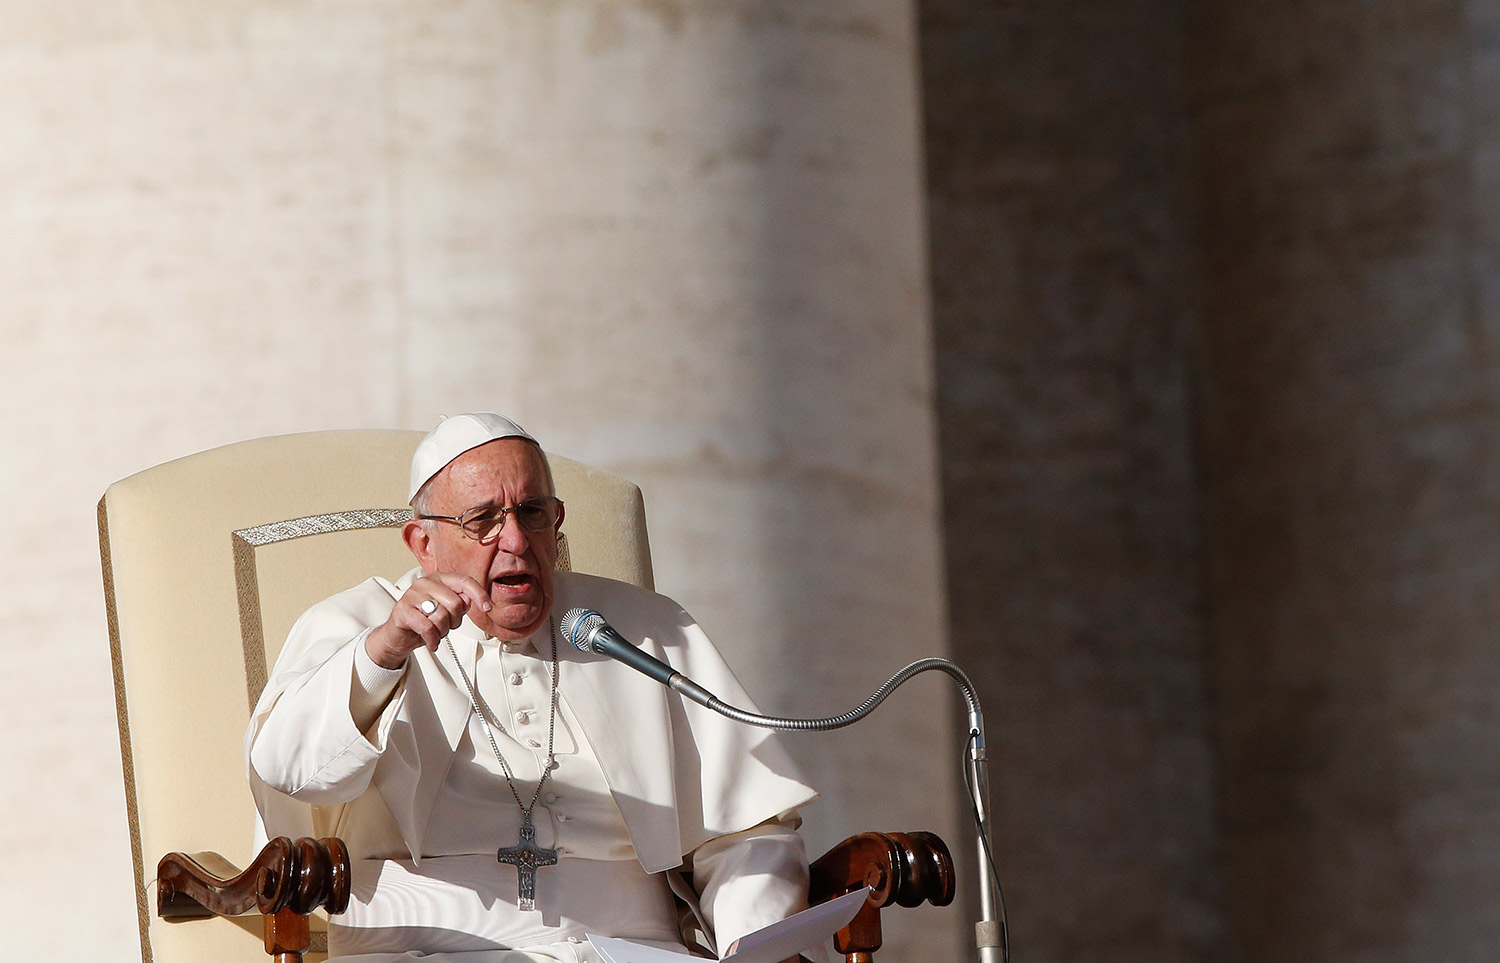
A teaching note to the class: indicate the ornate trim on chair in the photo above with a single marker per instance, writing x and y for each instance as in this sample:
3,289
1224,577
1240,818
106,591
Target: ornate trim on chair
122,719
247,586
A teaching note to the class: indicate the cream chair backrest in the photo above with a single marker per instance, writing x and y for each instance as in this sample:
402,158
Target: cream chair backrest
207,562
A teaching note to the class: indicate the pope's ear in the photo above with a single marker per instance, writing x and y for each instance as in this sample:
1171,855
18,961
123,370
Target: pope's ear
419,540
562,511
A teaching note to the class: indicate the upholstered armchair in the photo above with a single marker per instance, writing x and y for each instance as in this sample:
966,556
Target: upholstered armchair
207,561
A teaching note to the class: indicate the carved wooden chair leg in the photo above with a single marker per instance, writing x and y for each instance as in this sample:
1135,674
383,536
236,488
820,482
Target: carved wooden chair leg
287,936
285,883
901,868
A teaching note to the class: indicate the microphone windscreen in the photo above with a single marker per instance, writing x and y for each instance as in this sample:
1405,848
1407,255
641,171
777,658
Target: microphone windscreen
579,626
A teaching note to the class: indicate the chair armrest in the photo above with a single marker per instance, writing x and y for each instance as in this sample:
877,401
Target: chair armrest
901,868
301,876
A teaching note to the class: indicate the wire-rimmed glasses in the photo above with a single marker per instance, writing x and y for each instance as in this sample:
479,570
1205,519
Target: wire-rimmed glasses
484,522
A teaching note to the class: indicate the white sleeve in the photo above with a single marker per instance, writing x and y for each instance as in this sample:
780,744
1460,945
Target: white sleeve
371,688
750,879
304,739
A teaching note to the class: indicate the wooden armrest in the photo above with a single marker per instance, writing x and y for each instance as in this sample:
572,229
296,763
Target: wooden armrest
302,875
901,868
285,883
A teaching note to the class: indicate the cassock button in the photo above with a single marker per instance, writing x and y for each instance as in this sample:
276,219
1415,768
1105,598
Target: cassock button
517,678
534,743
523,717
551,797
563,817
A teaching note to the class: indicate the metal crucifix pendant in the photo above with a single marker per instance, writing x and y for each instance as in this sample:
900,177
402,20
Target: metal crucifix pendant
526,856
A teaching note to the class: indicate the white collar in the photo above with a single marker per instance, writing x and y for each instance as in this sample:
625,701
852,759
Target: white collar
469,632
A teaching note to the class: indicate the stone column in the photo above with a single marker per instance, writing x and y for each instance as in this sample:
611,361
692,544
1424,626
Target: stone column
1351,440
1061,301
698,231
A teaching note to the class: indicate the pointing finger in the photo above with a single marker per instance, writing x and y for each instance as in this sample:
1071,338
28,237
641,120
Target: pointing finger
473,593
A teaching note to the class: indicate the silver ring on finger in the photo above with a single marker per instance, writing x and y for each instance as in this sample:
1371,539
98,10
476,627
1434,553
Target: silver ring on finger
428,606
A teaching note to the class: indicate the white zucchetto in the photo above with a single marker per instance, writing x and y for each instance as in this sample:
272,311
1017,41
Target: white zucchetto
455,435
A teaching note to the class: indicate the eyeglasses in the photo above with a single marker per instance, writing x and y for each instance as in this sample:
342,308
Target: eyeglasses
484,522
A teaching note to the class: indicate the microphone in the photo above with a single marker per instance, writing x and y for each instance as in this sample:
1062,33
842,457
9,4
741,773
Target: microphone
587,630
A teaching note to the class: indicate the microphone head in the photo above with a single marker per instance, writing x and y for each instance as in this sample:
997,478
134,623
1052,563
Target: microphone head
579,626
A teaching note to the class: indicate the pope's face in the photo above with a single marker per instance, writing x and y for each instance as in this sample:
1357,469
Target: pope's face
517,566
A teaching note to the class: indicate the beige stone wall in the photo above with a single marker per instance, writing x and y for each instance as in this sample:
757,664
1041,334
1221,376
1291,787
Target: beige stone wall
683,241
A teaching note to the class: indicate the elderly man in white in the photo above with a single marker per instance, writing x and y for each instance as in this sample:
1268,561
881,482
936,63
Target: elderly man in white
502,794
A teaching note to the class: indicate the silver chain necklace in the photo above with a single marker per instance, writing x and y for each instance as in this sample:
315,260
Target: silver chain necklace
526,855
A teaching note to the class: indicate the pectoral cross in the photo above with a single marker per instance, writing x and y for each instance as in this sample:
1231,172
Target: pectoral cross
526,856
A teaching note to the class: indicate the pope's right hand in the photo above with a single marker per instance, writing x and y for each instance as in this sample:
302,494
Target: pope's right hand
410,628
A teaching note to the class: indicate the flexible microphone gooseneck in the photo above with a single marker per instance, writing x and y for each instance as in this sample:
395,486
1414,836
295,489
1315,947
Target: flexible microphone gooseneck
588,631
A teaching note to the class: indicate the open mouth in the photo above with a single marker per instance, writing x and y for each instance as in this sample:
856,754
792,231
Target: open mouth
515,583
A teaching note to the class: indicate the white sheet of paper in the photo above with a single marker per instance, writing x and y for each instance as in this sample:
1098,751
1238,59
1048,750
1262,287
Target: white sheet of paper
772,944
623,951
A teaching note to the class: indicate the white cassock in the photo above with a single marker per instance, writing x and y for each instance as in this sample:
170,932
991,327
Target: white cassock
649,794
